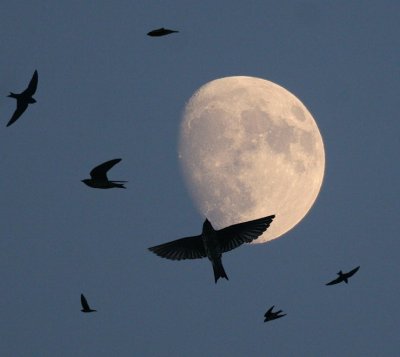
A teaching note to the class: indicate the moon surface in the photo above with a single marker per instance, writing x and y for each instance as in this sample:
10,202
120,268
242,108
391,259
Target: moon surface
249,148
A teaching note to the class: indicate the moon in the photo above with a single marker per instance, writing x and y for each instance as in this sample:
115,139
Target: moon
249,148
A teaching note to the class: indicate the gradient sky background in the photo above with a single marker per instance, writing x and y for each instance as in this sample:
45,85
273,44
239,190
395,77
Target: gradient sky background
107,90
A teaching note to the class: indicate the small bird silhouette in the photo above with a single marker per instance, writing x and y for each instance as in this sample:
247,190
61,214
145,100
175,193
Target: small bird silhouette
212,243
85,305
160,32
270,315
343,277
99,176
24,98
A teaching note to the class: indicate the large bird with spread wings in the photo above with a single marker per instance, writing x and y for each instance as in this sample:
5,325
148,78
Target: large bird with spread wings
343,277
24,98
99,179
211,243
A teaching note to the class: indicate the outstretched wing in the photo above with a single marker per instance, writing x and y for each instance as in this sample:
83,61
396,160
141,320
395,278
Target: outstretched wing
233,236
21,107
279,316
30,91
84,303
352,272
269,311
100,171
184,248
335,281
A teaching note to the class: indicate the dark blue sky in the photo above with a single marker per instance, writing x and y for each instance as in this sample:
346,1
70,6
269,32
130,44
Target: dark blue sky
107,90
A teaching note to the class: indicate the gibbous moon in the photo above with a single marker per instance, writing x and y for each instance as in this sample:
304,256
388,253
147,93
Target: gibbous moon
249,148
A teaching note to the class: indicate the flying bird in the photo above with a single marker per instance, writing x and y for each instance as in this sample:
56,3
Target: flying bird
343,277
160,32
99,176
85,305
270,315
24,98
212,243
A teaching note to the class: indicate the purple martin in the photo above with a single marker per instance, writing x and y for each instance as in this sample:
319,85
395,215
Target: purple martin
85,305
343,277
24,98
160,32
212,243
99,176
270,315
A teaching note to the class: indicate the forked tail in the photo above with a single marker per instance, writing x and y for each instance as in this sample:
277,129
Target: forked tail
119,184
219,271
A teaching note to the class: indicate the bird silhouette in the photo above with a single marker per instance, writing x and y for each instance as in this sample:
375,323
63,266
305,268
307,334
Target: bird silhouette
99,176
160,32
343,277
24,98
270,315
212,243
85,305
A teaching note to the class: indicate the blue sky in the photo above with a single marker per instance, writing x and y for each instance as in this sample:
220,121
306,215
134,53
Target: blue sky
107,90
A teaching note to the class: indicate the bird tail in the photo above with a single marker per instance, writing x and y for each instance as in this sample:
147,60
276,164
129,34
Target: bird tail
219,271
119,184
12,95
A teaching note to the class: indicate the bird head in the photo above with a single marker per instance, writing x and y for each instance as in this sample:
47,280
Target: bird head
207,226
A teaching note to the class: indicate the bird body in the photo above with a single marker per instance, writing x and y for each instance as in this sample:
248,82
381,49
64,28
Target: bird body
213,250
212,243
104,184
21,96
98,176
85,305
270,315
24,98
160,32
343,277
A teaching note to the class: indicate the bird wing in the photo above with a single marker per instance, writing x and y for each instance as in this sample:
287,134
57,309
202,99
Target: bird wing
100,171
233,236
30,91
269,311
84,303
335,281
279,316
352,272
21,107
184,248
